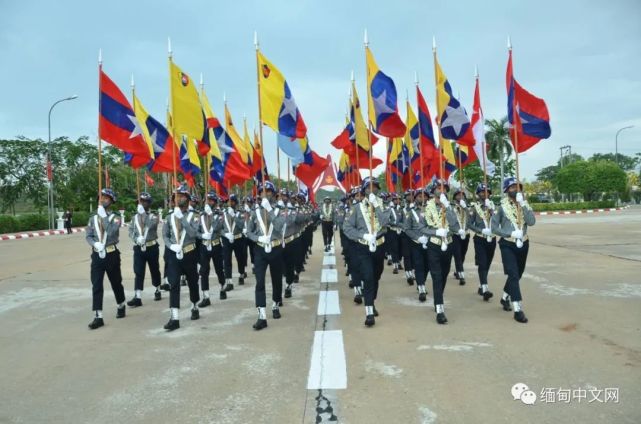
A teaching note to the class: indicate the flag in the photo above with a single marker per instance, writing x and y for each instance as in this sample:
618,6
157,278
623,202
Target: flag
248,145
308,173
157,138
150,181
452,117
342,174
215,158
277,105
117,123
532,116
328,179
188,116
238,161
239,143
478,131
258,161
383,110
396,166
189,160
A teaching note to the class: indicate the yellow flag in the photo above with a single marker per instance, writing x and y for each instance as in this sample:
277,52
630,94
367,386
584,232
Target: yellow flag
187,112
359,123
141,116
239,144
247,142
209,115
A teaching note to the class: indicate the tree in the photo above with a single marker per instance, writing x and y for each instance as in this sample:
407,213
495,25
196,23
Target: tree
22,173
573,178
592,179
497,137
627,163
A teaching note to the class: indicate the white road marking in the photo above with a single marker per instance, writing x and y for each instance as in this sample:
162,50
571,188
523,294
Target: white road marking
328,303
329,260
328,369
329,276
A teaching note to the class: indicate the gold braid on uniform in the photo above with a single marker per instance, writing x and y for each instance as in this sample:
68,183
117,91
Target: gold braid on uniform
366,210
434,215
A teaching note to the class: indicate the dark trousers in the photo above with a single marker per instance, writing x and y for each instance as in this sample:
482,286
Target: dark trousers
291,255
459,247
187,266
68,227
406,250
483,255
274,260
328,232
439,264
111,266
250,246
371,265
239,250
142,260
207,257
392,245
514,260
421,262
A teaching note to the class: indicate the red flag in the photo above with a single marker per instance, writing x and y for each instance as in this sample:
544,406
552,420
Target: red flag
363,158
150,181
309,173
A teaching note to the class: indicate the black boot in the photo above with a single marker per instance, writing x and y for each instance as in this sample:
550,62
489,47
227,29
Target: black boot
506,305
120,312
461,282
487,296
245,274
410,281
172,324
241,281
296,279
422,297
260,324
135,302
276,313
223,295
288,292
520,317
358,299
395,270
183,281
400,266
96,323
389,262
164,286
375,311
204,303
195,314
157,295
370,321
456,277
441,318
229,287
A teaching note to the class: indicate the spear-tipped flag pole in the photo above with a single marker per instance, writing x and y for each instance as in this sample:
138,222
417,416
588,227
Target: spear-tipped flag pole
133,98
440,149
420,143
99,114
477,101
172,130
369,133
260,115
206,157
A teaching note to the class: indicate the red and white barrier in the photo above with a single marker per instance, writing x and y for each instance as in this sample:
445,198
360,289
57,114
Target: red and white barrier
33,234
586,211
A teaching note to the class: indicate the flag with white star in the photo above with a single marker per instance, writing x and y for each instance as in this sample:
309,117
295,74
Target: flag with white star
453,119
383,110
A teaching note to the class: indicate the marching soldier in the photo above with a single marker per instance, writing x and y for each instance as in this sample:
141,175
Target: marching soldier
406,242
415,229
249,245
480,216
291,242
180,233
209,231
460,241
232,233
266,229
392,237
327,217
103,231
441,225
143,231
366,227
510,222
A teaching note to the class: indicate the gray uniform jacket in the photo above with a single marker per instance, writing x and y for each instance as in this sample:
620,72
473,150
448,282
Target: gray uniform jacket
415,229
502,226
274,217
148,222
475,222
110,225
236,219
354,226
189,222
210,223
328,217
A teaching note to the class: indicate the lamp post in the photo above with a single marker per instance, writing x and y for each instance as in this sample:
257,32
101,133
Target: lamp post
50,205
616,143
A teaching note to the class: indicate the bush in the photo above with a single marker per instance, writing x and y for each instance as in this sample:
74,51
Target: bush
80,219
571,206
32,222
8,224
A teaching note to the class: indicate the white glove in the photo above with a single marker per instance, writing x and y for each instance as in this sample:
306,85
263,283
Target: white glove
244,231
231,211
99,246
369,238
519,198
208,210
444,200
178,213
266,205
373,200
463,204
175,248
517,234
206,236
411,205
140,209
229,236
140,239
391,205
422,240
102,213
247,208
461,233
441,232
289,205
489,204
486,232
264,239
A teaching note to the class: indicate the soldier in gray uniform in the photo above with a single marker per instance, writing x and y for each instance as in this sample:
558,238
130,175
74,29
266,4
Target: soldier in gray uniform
437,235
392,238
102,235
327,222
143,231
406,242
461,241
510,222
415,228
180,233
479,221
209,231
232,233
265,227
369,253
291,241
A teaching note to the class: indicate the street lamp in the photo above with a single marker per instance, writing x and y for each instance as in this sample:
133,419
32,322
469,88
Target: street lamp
616,143
49,165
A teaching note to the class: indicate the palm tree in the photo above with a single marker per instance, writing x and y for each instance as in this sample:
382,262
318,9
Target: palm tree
497,137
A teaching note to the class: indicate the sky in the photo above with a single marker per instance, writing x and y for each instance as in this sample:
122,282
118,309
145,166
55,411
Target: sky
582,57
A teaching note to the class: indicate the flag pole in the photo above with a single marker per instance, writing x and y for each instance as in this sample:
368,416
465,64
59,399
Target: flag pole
409,136
171,108
260,115
353,90
420,142
369,134
99,114
133,100
438,130
483,144
515,127
206,156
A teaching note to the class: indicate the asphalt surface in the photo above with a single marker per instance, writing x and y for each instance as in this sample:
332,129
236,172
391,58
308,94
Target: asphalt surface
582,294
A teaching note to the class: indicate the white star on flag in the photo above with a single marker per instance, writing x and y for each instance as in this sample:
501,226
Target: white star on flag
157,147
289,108
456,118
224,148
380,104
137,130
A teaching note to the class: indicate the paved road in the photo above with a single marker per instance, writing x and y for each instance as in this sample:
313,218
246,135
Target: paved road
582,293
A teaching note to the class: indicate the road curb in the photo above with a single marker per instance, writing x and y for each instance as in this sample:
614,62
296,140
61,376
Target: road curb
582,211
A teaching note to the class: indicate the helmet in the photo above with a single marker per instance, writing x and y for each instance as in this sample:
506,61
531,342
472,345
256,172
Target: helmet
212,195
408,193
249,199
233,198
510,181
437,184
183,189
195,198
267,186
109,192
366,183
327,200
145,196
459,190
482,187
